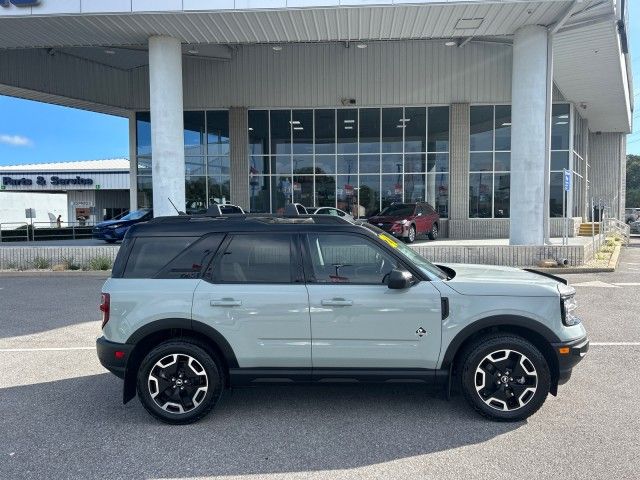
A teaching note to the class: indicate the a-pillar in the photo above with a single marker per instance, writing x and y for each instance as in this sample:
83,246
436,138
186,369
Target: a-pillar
530,107
167,124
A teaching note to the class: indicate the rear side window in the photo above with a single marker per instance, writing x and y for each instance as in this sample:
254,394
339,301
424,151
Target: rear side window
192,261
264,258
150,254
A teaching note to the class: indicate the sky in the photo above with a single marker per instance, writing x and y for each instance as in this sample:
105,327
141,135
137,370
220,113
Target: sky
33,132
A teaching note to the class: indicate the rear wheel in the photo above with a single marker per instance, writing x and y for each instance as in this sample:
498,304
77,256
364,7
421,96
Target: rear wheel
179,382
505,377
433,234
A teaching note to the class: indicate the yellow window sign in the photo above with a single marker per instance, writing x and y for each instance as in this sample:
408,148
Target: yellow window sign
387,239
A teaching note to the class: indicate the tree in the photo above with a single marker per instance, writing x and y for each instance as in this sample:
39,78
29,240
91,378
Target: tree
633,181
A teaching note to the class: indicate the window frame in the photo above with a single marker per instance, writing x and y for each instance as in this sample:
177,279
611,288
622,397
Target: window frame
136,241
211,274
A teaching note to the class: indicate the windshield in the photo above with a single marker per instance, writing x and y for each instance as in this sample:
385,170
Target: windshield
398,209
136,214
414,257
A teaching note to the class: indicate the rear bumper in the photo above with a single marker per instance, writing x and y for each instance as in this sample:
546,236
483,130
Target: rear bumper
567,359
116,363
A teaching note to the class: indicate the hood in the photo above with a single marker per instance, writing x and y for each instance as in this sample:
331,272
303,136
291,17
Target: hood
502,281
106,223
388,219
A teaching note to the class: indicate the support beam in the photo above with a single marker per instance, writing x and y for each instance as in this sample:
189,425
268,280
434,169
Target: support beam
167,125
529,150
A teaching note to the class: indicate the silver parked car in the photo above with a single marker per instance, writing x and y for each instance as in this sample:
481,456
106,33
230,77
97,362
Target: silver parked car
196,305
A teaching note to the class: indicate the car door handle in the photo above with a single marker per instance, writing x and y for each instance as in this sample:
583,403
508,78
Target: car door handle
336,302
225,302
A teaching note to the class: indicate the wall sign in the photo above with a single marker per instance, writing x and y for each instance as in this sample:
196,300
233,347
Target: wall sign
42,181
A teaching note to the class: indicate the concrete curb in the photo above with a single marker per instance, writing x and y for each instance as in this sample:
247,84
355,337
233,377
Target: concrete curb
614,260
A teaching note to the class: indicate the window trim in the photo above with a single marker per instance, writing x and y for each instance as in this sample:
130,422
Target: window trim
212,274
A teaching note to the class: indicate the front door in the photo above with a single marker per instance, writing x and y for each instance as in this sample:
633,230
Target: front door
356,320
252,298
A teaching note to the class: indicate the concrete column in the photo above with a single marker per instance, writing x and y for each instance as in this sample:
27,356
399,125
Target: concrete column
530,87
459,162
239,146
167,124
133,164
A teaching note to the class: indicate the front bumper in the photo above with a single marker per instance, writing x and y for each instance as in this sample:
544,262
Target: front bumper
113,356
569,355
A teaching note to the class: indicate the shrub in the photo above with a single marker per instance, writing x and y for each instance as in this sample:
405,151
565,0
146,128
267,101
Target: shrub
41,263
607,249
100,263
70,264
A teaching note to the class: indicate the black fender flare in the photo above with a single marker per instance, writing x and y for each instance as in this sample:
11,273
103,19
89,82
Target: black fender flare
495,321
186,326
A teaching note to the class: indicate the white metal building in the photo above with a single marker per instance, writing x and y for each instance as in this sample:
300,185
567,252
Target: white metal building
95,190
475,106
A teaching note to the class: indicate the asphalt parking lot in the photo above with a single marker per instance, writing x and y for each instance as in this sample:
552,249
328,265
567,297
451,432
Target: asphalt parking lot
62,415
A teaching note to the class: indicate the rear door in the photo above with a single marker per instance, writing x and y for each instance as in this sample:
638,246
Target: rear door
356,320
255,296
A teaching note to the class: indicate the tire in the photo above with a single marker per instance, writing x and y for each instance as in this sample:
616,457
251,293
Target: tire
411,235
433,234
524,369
200,370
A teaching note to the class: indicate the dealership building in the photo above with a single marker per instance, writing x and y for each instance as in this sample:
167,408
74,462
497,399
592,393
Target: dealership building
481,108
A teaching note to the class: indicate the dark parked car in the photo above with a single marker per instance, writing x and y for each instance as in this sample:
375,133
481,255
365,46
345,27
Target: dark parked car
113,230
408,220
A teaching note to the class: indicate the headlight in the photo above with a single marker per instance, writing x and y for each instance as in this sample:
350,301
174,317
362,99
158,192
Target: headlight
402,222
568,305
117,225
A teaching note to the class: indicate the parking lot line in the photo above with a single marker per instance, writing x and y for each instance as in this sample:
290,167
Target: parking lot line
46,349
614,344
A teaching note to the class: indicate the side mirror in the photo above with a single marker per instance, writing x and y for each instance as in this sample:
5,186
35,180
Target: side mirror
399,279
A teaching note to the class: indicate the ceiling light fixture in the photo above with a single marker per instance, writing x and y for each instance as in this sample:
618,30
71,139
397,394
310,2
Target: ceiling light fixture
277,48
294,122
451,43
193,51
349,121
469,23
298,128
361,46
506,124
110,52
348,128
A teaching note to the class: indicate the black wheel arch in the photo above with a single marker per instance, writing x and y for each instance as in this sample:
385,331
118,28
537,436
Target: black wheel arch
538,334
152,334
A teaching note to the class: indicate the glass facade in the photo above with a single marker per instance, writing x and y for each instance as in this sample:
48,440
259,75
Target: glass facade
206,150
560,150
489,161
357,159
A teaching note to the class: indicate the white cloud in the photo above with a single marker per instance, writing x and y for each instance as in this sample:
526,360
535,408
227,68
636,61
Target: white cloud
15,140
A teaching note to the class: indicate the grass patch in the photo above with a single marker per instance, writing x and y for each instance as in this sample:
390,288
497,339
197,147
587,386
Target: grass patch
70,264
100,263
40,263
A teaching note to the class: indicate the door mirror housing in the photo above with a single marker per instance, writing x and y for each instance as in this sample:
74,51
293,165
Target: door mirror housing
399,279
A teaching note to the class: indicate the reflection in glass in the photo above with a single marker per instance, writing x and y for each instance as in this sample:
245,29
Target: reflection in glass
259,194
194,166
219,191
414,188
195,195
480,161
145,191
281,193
369,130
555,194
392,188
415,129
303,164
302,131
414,162
325,128
369,164
503,127
281,164
347,130
280,132
325,164
560,127
438,140
502,188
369,195
438,192
393,124
347,164
144,165
193,133
218,165
143,133
347,194
481,124
392,163
218,132
559,160
438,162
325,191
259,165
303,190
258,132
480,195
502,161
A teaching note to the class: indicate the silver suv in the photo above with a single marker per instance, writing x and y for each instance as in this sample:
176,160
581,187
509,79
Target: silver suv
200,304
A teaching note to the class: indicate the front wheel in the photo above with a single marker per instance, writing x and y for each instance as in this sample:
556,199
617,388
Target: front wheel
411,235
433,234
505,377
179,382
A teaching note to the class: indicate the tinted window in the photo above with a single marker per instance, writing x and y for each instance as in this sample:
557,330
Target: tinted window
150,254
399,209
256,259
348,259
191,262
230,209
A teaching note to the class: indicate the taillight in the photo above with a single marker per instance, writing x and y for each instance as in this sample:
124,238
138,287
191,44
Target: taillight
105,305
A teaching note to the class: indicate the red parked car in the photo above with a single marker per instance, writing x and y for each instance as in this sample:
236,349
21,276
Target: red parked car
408,220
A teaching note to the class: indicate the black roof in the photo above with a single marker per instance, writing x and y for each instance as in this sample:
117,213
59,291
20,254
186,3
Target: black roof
198,225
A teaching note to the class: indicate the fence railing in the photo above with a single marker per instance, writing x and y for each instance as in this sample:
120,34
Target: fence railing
613,225
38,231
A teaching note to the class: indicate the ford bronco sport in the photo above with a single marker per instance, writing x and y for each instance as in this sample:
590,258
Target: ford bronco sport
199,304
